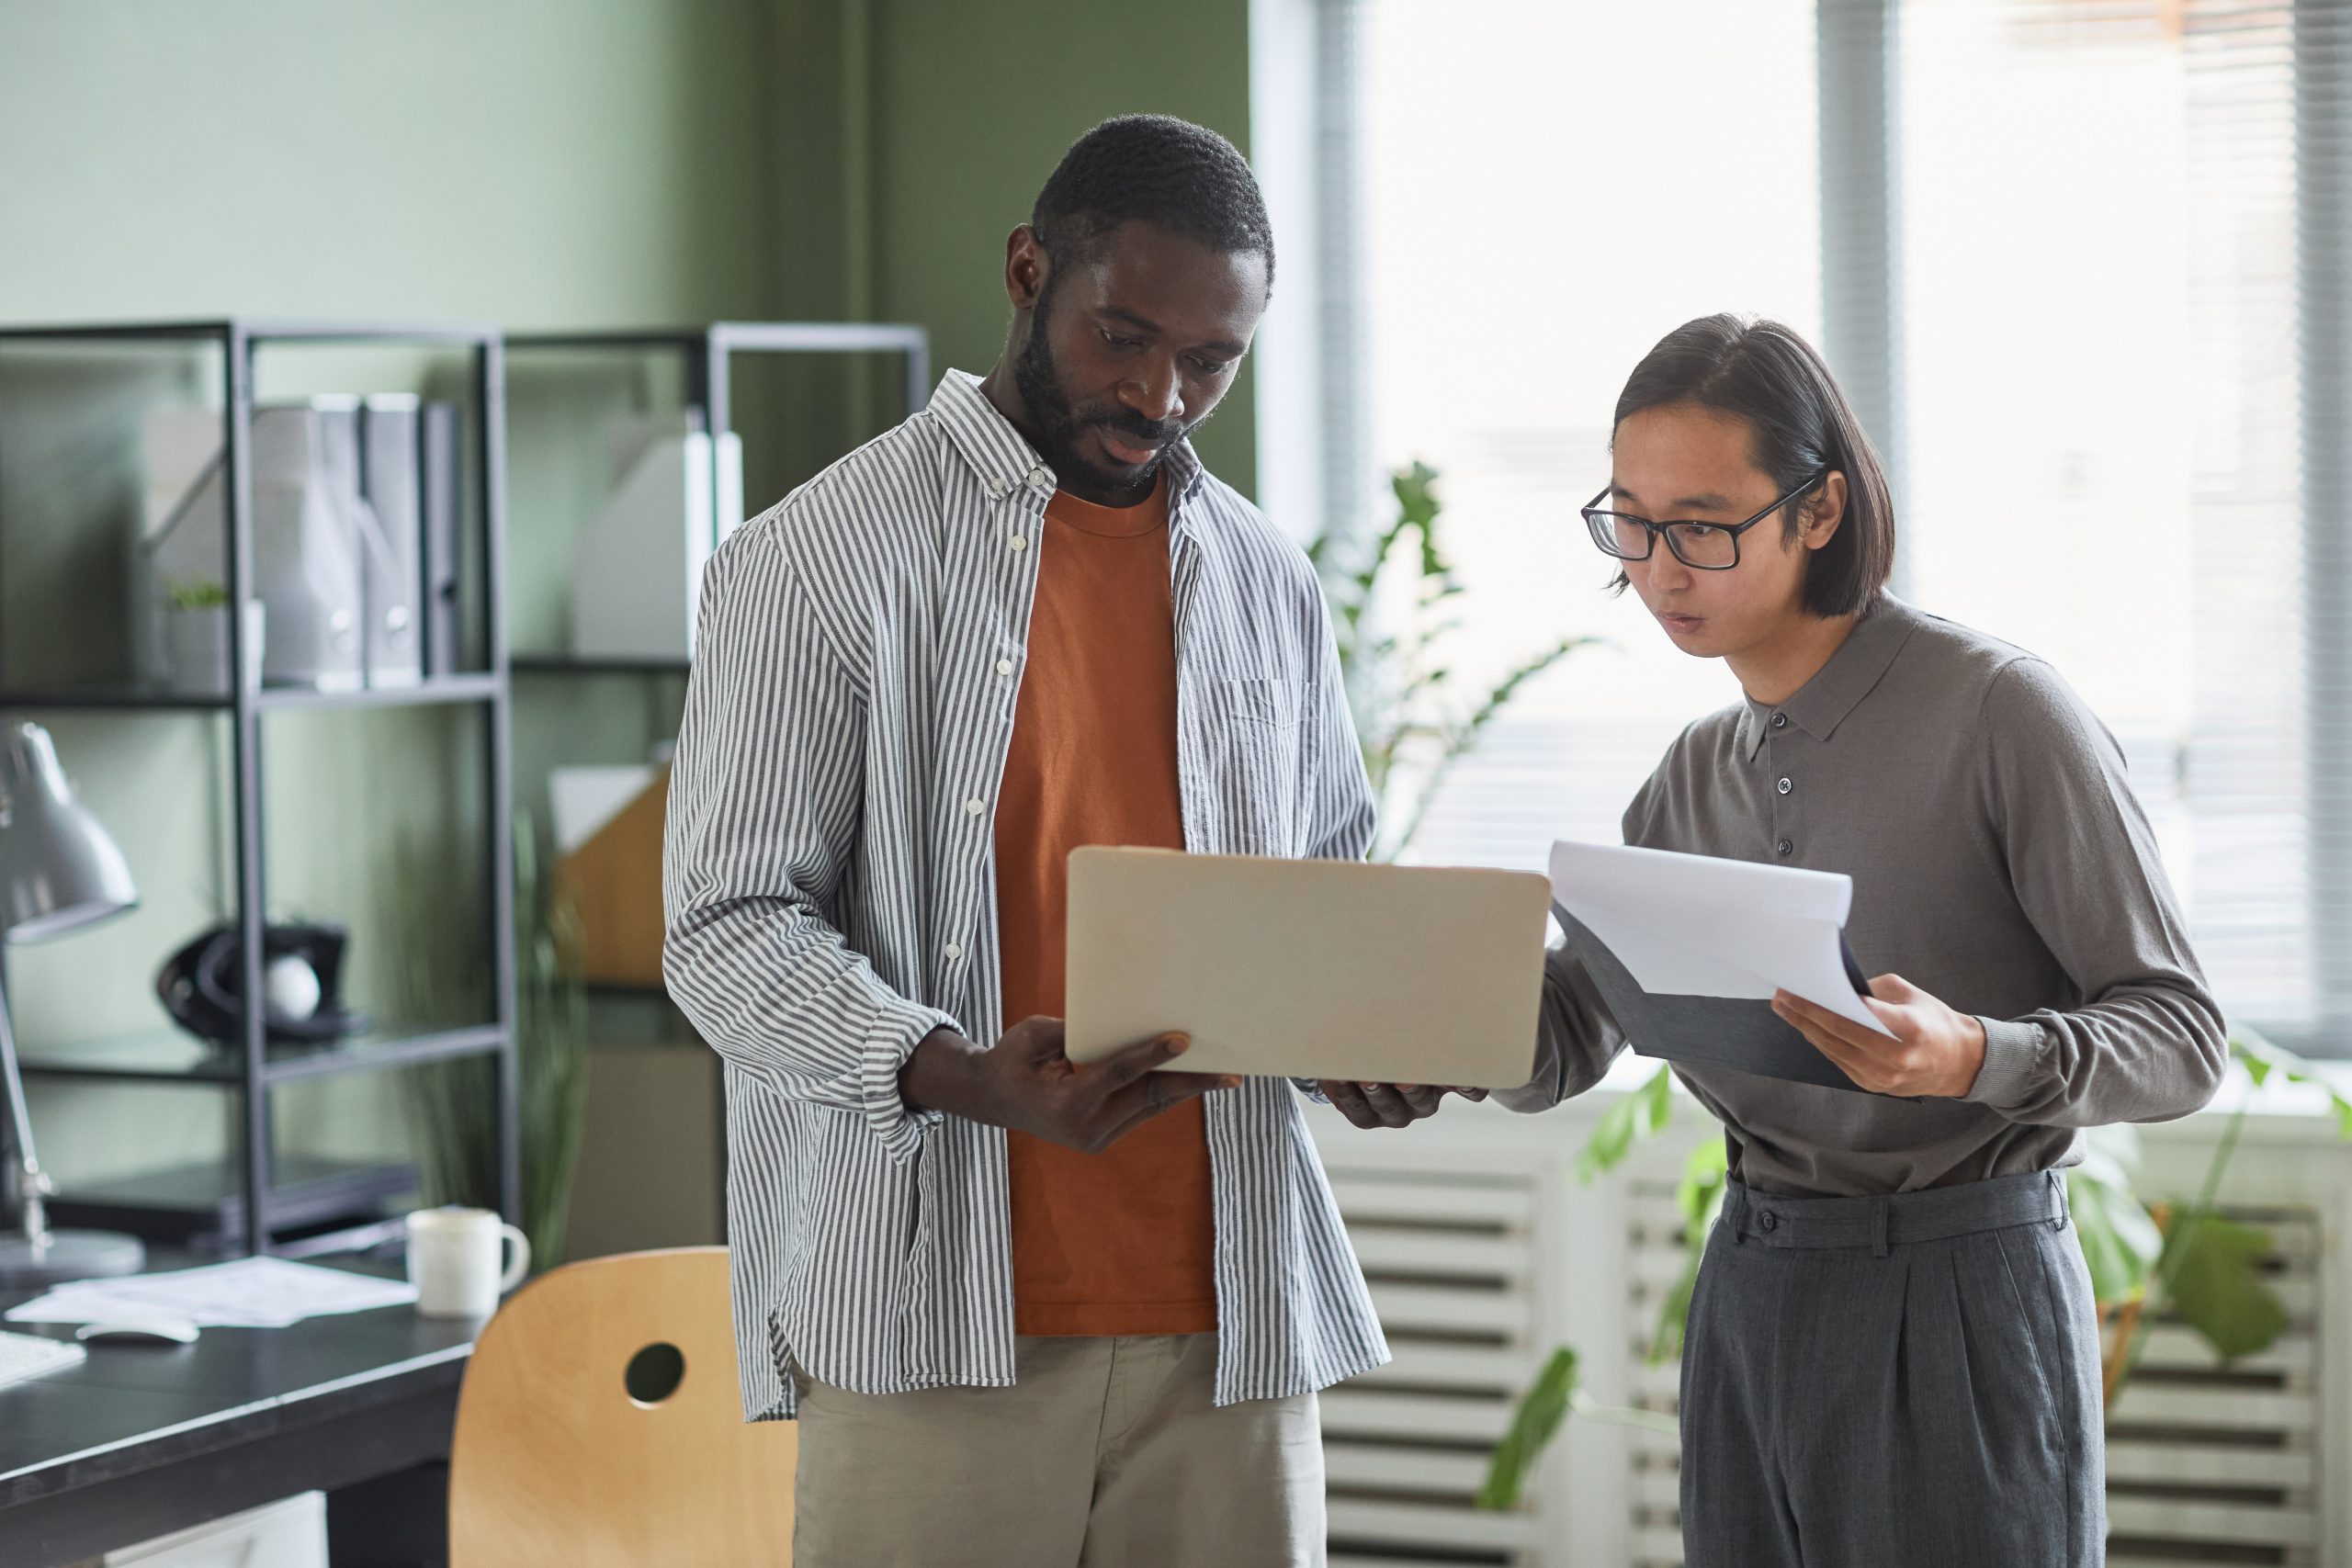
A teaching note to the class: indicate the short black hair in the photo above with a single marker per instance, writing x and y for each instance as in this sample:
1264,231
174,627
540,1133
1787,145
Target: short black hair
1153,167
1800,428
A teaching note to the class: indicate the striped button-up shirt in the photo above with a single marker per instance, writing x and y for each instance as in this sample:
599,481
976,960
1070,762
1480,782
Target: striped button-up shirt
830,900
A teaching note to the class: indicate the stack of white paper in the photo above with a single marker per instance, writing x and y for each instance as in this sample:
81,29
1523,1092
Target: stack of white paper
1698,926
252,1293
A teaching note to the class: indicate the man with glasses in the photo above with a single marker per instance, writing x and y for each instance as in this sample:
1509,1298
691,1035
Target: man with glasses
1892,1355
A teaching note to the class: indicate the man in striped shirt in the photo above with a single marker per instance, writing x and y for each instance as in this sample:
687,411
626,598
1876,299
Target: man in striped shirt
1028,1314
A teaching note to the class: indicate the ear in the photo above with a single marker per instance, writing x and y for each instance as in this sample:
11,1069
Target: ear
1824,513
1025,268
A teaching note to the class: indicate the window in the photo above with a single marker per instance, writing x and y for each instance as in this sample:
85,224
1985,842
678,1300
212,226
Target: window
2122,345
1523,245
2105,388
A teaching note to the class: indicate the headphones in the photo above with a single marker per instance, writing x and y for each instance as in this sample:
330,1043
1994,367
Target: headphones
200,985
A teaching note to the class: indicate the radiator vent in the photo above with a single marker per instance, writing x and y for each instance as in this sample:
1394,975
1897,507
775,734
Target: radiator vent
1450,1260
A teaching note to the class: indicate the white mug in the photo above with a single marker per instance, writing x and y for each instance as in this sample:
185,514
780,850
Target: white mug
453,1261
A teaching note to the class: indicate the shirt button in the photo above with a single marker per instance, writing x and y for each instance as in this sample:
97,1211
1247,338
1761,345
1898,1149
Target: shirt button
954,949
1005,666
1784,847
1038,477
974,806
1019,541
997,489
1780,721
1785,785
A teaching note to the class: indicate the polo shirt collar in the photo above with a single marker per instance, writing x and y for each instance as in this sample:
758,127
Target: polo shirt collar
1821,705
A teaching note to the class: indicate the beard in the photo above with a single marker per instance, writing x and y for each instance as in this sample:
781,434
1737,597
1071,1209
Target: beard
1061,421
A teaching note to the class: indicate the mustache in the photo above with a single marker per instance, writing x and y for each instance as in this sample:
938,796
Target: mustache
1143,432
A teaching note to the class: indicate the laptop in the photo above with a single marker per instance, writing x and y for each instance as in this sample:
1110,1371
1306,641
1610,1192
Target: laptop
1313,969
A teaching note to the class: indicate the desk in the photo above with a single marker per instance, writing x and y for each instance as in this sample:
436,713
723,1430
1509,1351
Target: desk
140,1441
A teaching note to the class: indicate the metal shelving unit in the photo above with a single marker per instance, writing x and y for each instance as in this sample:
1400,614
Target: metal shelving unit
255,1067
708,354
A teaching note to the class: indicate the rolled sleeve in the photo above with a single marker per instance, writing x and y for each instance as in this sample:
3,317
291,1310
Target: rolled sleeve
899,1027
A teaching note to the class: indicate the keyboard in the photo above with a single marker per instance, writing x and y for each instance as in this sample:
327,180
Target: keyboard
29,1355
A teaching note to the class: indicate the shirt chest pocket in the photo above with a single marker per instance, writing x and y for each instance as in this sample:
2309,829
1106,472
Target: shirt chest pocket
1250,735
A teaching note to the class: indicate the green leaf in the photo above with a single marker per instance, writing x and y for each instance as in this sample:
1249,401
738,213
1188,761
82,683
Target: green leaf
2261,1059
1700,1195
1638,1115
2119,1237
1532,1425
2218,1288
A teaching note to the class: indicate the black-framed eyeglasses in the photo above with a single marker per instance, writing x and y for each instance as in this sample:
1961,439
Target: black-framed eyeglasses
1702,546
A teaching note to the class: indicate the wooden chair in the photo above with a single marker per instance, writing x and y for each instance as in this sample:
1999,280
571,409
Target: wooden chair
562,1457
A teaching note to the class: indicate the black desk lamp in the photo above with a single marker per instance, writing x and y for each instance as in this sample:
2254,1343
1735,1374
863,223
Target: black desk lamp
60,871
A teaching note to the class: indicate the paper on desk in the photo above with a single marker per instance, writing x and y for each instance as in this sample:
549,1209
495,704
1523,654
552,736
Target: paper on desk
252,1292
1698,926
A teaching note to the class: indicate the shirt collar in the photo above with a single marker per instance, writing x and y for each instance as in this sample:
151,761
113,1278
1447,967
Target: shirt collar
1004,461
1821,705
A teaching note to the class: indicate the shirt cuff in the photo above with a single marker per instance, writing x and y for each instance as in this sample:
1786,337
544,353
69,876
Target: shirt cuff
2012,1050
1312,1089
898,1028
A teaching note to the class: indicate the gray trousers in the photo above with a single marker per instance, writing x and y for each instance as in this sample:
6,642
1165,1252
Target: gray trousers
1909,1380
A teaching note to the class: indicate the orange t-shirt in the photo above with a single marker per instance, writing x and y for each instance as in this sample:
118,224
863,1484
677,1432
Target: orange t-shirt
1119,1242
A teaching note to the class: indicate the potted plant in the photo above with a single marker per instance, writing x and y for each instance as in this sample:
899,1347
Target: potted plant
1394,615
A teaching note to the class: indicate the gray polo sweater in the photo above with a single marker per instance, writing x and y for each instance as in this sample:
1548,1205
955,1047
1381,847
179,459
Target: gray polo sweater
2000,862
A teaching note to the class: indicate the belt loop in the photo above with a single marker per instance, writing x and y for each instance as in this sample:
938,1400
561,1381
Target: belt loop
1878,1227
2065,1203
1735,1216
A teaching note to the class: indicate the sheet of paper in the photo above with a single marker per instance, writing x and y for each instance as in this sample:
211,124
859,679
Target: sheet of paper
1698,926
252,1292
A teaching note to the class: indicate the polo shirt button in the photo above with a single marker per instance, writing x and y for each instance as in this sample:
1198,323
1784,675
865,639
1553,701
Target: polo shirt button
1780,721
1785,785
1784,847
974,806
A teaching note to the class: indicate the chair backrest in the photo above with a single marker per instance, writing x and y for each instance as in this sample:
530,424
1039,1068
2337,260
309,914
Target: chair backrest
565,1457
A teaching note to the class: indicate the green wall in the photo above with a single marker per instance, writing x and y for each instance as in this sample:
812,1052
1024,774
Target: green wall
968,120
533,163
530,162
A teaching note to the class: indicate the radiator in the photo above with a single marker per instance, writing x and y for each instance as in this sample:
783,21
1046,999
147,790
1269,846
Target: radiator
1484,1252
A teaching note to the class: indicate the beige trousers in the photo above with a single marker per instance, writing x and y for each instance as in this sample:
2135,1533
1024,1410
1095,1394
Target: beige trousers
1105,1454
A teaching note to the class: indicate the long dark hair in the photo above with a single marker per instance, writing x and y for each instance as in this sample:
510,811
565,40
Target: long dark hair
1801,425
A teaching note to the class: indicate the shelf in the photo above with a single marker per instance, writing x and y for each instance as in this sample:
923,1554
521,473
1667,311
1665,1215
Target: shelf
200,1207
145,698
167,1055
441,689
241,358
262,329
744,337
577,664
